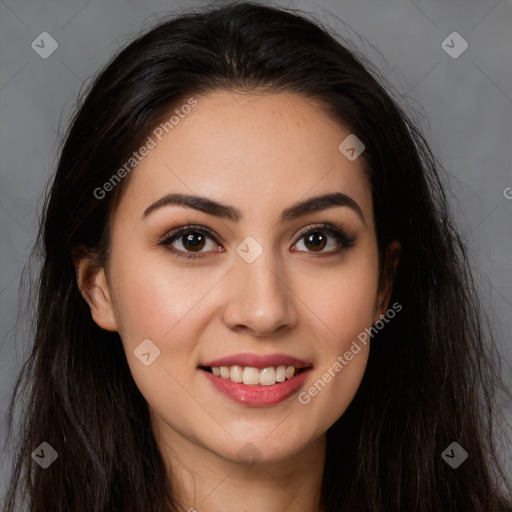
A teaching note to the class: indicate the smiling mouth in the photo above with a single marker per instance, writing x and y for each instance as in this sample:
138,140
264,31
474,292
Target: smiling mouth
252,376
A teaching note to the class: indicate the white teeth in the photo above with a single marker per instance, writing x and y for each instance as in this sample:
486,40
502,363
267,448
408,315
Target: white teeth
253,376
281,373
268,376
237,374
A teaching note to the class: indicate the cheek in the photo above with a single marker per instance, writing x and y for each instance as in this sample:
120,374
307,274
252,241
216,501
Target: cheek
343,301
153,295
344,306
161,303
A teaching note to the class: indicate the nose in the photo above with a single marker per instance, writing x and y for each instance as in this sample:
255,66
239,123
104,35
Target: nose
260,301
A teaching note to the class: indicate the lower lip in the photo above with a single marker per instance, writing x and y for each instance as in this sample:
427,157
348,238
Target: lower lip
257,395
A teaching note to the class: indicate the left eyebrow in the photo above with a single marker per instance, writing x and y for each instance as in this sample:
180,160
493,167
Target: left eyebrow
319,203
211,207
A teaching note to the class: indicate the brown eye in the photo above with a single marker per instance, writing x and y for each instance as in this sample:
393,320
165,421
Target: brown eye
325,236
316,241
193,241
186,240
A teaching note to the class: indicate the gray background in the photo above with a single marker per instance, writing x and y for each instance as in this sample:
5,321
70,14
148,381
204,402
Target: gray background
464,105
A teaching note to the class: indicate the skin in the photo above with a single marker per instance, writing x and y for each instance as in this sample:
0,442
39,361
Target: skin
260,153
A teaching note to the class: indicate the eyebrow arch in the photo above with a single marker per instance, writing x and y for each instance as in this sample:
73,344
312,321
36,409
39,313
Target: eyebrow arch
217,209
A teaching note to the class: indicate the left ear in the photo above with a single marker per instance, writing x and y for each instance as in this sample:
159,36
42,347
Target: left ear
392,257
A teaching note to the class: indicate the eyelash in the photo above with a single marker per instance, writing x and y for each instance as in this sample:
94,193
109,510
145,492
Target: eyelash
345,241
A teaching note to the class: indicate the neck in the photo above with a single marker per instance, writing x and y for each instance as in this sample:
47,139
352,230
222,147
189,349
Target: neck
203,481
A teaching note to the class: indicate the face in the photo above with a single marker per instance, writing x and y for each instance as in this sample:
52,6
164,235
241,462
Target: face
274,293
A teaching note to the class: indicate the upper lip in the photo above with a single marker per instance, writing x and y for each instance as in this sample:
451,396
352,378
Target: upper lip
258,361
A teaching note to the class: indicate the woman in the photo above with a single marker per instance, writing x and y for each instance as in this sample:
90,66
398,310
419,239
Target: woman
253,296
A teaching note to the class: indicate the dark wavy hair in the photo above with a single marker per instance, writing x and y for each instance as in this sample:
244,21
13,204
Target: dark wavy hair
433,373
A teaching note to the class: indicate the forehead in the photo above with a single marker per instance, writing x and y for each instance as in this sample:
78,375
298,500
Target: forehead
253,150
